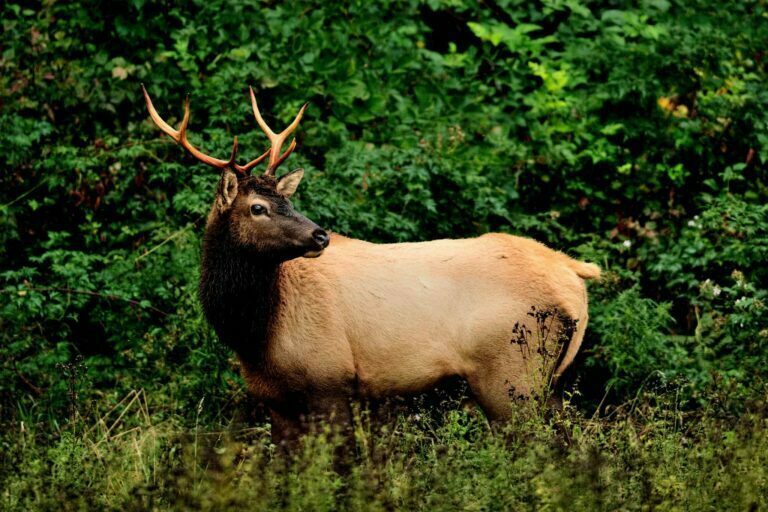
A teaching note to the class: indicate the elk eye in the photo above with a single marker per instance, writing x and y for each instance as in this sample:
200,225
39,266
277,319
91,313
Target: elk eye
257,209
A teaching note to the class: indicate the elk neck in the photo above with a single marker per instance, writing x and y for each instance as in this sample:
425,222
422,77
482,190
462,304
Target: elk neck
239,292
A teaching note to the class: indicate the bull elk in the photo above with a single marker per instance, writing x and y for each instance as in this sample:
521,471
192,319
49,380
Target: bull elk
370,320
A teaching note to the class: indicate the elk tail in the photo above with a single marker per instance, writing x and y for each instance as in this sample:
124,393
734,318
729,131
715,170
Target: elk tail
584,270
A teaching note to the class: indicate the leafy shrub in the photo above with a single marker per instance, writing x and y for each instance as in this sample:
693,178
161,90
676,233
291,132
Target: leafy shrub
634,343
568,122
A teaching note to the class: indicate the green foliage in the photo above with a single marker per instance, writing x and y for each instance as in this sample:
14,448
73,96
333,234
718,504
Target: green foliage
633,134
633,343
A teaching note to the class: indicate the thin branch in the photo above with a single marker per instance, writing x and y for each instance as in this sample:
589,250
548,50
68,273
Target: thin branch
171,237
25,194
35,389
92,294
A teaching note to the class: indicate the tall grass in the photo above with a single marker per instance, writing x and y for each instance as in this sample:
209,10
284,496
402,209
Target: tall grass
645,455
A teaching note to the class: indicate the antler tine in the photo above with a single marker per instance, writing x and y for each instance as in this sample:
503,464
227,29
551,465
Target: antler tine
287,153
263,124
245,169
167,129
180,135
276,140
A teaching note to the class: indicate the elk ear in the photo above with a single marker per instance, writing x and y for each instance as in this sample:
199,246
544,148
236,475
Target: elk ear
227,192
288,183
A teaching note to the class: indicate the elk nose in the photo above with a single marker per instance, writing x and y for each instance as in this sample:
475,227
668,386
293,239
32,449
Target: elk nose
321,237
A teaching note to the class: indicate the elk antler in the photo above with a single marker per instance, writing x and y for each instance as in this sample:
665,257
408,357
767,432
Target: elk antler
180,136
277,140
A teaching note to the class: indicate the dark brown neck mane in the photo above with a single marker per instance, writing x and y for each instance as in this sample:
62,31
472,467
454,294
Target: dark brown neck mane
238,291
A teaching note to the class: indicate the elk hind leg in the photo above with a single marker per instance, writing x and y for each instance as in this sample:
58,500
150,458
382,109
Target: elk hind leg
495,389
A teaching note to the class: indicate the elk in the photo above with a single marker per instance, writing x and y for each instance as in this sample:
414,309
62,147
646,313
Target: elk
317,318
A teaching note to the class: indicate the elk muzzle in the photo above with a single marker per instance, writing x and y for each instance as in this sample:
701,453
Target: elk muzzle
321,240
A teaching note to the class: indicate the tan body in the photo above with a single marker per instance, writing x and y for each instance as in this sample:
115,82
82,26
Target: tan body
387,319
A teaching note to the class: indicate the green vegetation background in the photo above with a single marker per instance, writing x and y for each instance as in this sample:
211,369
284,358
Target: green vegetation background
629,133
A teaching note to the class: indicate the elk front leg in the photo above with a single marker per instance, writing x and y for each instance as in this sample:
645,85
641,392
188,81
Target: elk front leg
291,422
332,416
287,426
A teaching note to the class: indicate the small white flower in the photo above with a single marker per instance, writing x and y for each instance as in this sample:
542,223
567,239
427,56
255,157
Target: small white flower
692,223
627,243
716,291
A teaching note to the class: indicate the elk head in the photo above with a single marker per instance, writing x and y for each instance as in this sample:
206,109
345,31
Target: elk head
254,213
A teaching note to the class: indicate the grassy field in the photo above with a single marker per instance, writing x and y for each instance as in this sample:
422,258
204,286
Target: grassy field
646,454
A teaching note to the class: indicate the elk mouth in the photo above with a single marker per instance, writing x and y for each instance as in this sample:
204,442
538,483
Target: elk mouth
314,253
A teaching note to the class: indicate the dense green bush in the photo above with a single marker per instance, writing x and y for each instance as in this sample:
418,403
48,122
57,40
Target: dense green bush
632,134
